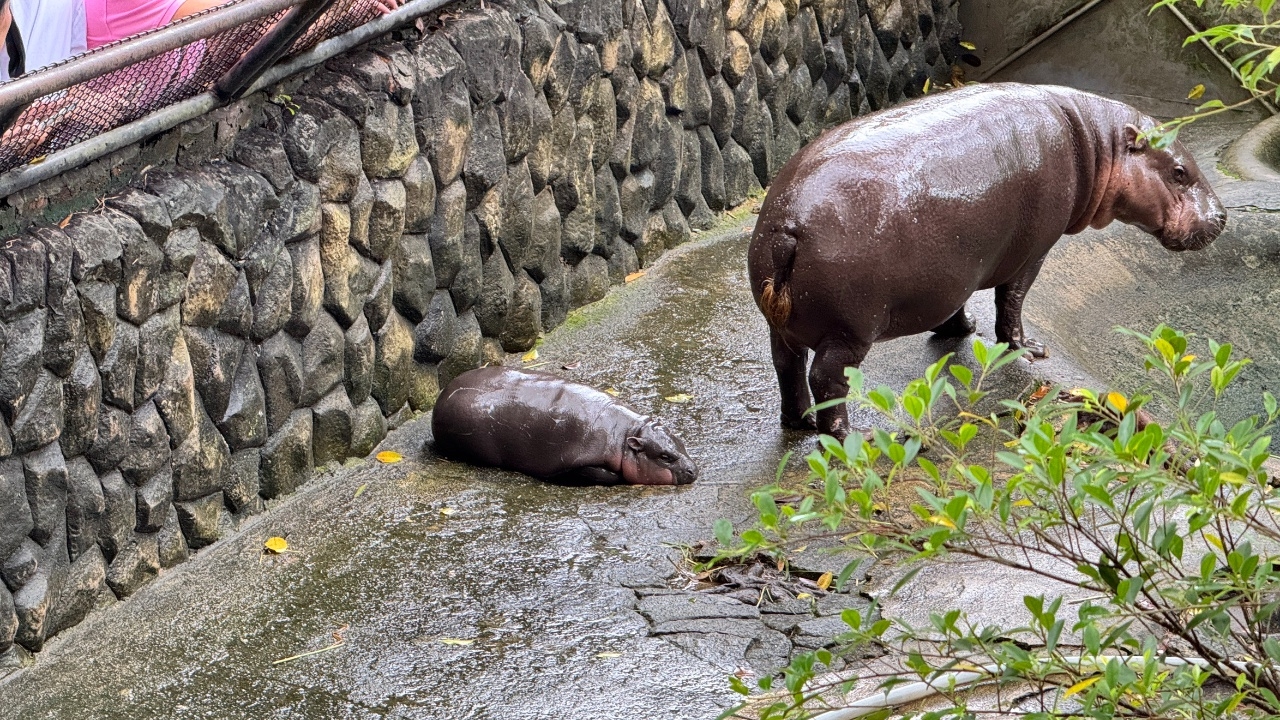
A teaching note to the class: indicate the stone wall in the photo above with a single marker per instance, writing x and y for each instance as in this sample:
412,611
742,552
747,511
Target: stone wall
293,273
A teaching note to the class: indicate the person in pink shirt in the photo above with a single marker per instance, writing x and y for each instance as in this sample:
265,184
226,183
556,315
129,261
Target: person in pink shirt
111,20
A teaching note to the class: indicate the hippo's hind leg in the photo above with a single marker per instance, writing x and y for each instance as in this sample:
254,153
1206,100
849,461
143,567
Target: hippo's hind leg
959,325
790,364
828,381
1009,298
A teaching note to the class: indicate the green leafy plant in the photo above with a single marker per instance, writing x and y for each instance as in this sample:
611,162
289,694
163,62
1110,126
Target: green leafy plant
1252,48
1169,529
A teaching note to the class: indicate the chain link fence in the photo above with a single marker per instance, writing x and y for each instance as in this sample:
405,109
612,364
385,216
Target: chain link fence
62,119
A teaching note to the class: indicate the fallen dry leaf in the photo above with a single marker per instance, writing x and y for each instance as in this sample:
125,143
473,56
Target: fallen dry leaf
360,490
803,596
968,46
447,511
455,641
389,456
679,398
276,545
1039,394
635,276
1196,92
530,356
611,391
824,582
608,655
65,221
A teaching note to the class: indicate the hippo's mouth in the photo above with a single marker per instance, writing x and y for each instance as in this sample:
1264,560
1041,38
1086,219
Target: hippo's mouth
1197,240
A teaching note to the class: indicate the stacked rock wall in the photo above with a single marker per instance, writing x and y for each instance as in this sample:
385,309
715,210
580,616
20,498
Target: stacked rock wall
314,262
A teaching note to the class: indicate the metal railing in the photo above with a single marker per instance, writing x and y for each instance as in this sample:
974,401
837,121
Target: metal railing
67,114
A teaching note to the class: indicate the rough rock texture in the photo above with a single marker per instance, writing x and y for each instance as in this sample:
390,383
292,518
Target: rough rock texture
255,307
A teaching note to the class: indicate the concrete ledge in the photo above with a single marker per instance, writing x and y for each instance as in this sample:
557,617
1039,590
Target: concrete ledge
1254,155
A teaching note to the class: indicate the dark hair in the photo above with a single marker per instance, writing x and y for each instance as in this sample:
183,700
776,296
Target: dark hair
14,47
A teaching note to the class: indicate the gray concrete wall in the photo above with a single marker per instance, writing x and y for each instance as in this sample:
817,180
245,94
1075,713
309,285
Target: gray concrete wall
1117,49
283,279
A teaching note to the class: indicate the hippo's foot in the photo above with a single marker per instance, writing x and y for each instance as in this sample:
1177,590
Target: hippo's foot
1034,348
801,422
961,324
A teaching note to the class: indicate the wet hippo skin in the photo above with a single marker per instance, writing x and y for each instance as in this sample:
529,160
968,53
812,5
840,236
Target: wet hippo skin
885,225
550,428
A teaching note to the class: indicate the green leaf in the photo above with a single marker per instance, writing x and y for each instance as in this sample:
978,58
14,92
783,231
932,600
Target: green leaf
846,572
724,532
963,374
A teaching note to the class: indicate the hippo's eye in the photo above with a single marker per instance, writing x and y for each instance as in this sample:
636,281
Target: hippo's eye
1180,175
666,458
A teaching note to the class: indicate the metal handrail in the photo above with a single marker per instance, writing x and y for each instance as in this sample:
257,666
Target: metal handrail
269,48
109,58
25,176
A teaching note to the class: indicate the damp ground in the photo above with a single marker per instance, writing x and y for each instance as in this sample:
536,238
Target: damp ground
467,593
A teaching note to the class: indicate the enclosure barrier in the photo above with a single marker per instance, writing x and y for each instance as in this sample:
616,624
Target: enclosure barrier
64,115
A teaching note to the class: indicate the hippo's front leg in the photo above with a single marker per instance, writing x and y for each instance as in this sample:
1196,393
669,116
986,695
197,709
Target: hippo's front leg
590,475
1009,297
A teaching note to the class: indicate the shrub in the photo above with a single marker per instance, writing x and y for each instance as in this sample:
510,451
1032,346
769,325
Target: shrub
1170,527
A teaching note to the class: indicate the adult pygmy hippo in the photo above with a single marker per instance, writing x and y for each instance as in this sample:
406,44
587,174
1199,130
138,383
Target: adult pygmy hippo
885,225
550,428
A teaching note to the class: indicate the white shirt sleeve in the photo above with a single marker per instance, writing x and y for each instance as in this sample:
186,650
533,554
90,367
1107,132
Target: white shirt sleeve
78,31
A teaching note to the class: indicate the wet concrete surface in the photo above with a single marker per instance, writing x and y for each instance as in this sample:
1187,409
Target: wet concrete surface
539,581
536,576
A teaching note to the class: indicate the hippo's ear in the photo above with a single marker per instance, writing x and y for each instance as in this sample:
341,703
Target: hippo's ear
635,443
1133,138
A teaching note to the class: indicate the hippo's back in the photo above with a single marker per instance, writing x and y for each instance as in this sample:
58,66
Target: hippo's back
534,423
953,147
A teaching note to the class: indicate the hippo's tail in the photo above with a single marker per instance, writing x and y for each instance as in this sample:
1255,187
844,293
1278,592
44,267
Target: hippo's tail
775,293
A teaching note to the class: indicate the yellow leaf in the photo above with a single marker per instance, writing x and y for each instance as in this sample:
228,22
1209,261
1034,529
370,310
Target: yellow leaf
1233,478
824,582
634,276
608,655
455,641
1118,401
942,520
389,456
1080,686
926,85
968,46
39,159
447,511
1215,541
611,391
530,356
679,398
803,596
360,490
276,544
1188,358
1196,92
65,222
1022,503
